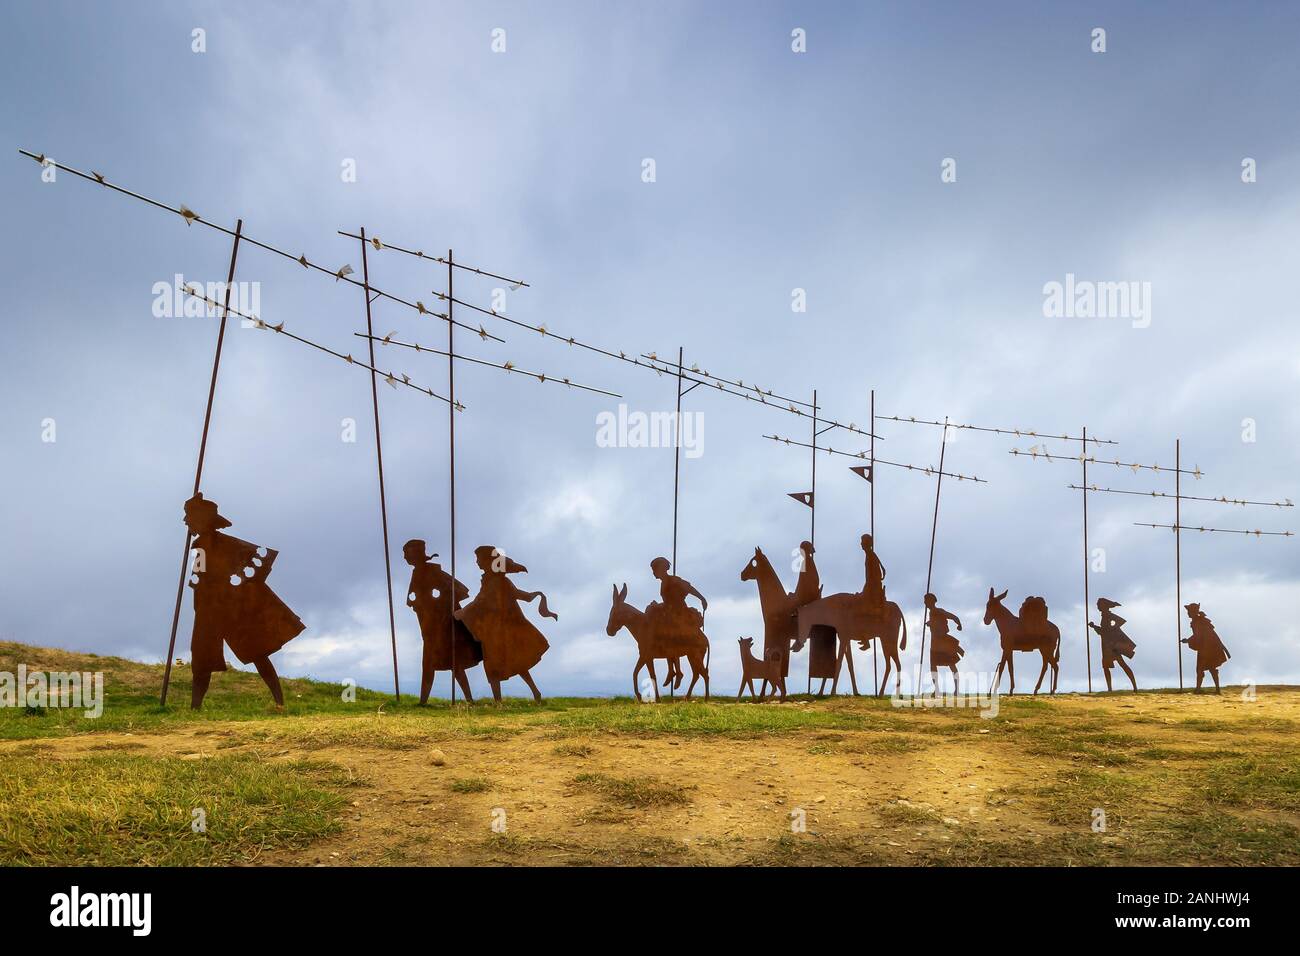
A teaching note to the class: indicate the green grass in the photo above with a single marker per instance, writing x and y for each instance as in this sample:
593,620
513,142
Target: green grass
470,785
634,792
129,810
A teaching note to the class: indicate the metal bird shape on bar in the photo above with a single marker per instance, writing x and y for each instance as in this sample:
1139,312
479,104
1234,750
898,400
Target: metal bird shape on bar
374,240
1183,527
1034,452
192,217
279,328
862,455
1223,500
1017,432
503,366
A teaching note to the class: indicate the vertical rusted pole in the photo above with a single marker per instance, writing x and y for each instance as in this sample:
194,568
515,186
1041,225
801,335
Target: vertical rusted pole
198,470
875,664
677,454
1087,641
379,458
812,518
929,568
1178,556
451,457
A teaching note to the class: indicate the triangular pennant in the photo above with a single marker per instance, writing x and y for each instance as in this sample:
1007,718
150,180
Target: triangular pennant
862,471
803,497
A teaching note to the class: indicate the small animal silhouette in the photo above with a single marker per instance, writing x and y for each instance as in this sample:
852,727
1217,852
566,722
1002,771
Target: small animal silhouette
768,671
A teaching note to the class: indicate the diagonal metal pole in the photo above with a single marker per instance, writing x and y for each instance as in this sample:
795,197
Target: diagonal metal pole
203,448
929,568
379,458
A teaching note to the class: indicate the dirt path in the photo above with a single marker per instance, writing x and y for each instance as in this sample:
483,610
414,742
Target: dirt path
947,791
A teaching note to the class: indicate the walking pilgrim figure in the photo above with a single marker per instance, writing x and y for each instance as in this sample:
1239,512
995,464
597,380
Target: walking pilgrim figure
232,602
1210,652
945,650
512,646
1115,644
448,643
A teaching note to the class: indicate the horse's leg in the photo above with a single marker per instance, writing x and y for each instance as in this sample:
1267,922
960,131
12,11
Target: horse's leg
696,664
848,658
1046,660
884,681
636,687
1011,671
839,663
496,689
654,678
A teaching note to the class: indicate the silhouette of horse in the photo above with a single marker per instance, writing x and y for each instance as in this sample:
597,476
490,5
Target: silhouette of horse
780,626
651,644
1011,632
846,614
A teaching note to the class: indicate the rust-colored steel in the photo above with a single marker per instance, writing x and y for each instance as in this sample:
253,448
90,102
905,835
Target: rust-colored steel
1030,630
1211,654
668,630
512,645
1115,644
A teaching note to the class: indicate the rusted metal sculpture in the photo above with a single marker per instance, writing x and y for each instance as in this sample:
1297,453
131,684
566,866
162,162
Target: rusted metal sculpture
1115,644
945,650
1030,631
512,646
768,670
434,596
1210,652
779,608
232,602
669,630
861,616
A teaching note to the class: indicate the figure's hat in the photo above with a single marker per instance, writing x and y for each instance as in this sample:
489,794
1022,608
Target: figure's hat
418,545
493,553
807,547
1107,603
199,512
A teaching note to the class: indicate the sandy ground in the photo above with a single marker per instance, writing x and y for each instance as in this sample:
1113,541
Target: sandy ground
811,796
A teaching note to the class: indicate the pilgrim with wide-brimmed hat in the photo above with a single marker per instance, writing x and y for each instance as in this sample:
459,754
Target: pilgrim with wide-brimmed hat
434,596
1211,654
232,602
1115,644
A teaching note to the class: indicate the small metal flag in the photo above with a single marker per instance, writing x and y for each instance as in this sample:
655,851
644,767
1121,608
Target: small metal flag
803,497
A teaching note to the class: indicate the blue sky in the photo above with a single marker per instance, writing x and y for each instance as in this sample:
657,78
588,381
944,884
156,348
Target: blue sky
775,171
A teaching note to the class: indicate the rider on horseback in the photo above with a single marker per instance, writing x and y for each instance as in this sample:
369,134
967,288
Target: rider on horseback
674,615
874,589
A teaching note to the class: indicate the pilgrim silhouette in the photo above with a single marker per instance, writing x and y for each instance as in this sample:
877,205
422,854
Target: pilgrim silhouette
945,650
430,595
1210,652
512,646
659,637
1115,644
674,615
232,602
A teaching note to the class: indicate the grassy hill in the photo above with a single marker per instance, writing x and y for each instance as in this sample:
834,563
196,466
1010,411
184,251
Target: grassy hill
1150,778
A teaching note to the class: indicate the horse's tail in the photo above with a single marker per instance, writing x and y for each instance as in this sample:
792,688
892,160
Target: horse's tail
902,620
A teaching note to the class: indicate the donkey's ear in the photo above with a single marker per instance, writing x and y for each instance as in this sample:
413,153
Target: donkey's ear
1002,595
622,595
756,551
990,594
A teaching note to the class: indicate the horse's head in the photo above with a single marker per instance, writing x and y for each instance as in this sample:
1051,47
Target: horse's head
750,571
746,643
993,606
618,612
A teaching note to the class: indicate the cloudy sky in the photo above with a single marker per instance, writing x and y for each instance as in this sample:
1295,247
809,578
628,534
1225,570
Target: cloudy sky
775,171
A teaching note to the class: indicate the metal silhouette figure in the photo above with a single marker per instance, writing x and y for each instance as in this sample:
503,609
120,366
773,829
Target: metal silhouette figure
768,670
232,602
861,616
780,608
1210,651
1030,631
673,592
662,634
433,597
945,650
1115,644
512,646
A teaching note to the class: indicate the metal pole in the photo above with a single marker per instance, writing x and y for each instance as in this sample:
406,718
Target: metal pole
929,568
875,662
203,448
677,455
812,502
1087,641
451,458
379,458
1178,557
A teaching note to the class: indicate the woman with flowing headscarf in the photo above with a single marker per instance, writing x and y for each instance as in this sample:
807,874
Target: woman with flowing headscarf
511,644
